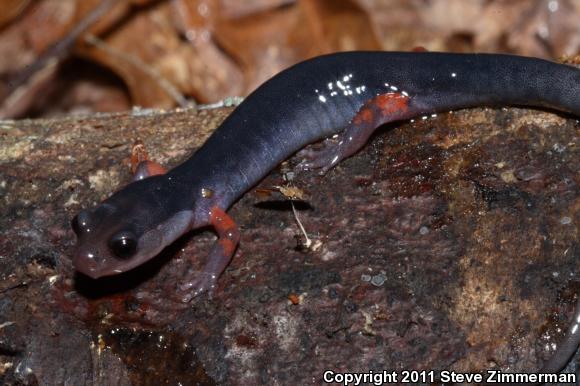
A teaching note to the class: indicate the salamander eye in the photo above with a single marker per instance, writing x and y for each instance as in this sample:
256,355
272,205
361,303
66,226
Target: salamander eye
123,244
80,223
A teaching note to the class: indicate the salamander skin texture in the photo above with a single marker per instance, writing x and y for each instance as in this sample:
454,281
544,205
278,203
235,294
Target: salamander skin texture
349,93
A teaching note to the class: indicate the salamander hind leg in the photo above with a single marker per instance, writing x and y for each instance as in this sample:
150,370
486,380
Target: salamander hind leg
379,110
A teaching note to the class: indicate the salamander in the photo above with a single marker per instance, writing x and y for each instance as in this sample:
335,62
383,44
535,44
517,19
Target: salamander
349,94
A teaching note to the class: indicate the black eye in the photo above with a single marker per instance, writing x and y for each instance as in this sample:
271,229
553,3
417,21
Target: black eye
80,223
123,245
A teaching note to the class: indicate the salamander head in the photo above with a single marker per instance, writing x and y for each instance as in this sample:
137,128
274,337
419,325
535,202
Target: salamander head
126,230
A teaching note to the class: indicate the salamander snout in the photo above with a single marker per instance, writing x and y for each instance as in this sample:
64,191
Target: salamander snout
84,262
103,247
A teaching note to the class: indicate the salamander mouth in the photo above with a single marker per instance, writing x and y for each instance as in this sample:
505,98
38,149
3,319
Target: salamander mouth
96,266
86,264
90,273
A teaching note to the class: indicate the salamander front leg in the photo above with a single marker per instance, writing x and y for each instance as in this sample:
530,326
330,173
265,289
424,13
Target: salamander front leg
141,166
375,112
219,257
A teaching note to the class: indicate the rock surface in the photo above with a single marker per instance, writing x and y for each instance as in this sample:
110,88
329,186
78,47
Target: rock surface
447,243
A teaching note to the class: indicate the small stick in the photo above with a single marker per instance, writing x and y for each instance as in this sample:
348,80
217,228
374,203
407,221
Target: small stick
308,242
33,77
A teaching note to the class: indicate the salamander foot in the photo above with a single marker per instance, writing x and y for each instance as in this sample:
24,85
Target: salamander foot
324,158
203,283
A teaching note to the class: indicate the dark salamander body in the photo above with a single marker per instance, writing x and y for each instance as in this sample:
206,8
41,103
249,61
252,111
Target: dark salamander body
320,97
349,93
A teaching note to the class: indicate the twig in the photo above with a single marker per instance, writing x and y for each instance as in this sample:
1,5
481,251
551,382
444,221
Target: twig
308,242
31,78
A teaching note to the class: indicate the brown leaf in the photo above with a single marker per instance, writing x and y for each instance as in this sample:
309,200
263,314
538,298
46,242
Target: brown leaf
11,9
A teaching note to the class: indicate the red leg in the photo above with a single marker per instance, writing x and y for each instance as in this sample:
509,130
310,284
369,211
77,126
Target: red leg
219,257
147,169
375,112
141,166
